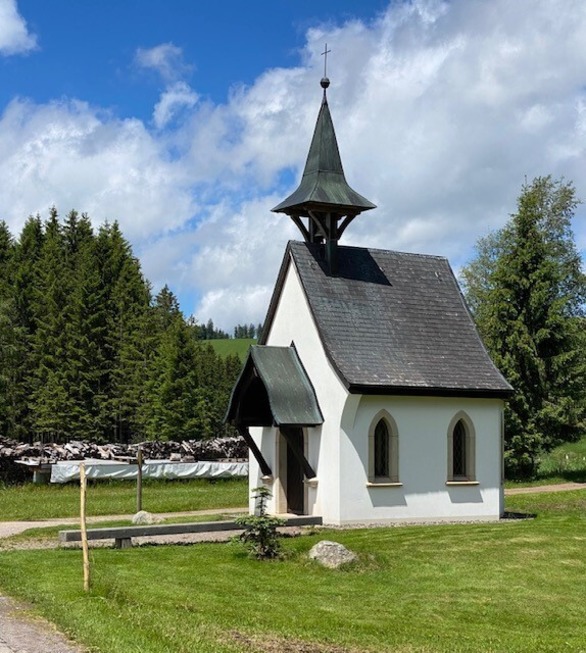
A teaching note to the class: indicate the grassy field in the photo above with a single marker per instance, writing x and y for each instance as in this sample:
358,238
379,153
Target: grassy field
30,502
567,462
564,464
510,587
233,346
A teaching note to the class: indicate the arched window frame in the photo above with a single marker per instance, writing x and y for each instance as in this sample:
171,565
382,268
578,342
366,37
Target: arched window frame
469,475
393,450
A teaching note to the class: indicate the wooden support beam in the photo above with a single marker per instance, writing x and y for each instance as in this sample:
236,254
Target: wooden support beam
306,234
262,463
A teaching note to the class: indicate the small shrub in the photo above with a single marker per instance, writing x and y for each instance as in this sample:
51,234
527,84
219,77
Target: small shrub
260,535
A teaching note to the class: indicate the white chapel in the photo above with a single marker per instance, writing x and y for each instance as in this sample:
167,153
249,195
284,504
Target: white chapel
370,397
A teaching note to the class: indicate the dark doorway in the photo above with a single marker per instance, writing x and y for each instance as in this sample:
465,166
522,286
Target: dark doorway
295,489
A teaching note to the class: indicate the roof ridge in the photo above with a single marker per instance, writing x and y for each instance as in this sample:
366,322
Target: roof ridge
439,257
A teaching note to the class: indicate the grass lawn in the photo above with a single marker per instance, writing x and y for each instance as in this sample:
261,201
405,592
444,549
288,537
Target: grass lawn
564,464
509,587
30,502
237,346
567,461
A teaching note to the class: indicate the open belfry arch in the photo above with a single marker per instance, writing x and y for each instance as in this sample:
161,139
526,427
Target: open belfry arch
354,336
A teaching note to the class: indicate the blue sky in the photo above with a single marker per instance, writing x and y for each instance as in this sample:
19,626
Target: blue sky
187,121
86,48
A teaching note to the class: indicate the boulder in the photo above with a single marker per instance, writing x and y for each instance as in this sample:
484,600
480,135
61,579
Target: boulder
331,554
143,517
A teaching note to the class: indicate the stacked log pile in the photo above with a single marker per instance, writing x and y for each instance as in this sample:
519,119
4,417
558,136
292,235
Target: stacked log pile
12,451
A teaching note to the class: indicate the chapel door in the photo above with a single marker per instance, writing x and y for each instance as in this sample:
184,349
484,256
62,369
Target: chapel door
295,490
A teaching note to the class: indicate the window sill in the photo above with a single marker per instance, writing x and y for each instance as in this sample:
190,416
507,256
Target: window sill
462,483
383,484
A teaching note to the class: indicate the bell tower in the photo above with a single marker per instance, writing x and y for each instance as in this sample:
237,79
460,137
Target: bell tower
324,204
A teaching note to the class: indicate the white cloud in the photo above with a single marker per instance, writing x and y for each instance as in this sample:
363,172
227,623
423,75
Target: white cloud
14,35
166,59
70,155
441,111
175,98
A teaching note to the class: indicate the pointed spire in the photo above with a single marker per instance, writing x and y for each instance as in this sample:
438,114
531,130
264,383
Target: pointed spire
324,198
323,186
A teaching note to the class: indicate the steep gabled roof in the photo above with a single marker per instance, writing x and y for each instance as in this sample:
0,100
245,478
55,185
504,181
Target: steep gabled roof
273,389
393,323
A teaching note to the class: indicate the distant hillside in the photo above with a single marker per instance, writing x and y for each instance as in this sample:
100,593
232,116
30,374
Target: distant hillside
232,346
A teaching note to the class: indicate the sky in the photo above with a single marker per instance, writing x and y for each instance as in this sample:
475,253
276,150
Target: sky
188,121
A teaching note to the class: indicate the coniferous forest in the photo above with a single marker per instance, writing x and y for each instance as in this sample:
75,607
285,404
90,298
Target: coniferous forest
86,350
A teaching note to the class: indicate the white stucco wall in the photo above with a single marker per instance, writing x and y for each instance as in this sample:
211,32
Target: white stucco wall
293,322
422,424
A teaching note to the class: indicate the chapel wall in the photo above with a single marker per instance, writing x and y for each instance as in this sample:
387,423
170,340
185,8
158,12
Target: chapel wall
422,424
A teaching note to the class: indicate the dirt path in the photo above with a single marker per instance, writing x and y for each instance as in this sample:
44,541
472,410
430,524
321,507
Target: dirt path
9,528
21,632
562,487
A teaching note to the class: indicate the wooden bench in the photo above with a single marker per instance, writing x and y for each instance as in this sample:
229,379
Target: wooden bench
122,535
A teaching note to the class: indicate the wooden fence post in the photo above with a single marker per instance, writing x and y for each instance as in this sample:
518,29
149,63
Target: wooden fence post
139,480
83,524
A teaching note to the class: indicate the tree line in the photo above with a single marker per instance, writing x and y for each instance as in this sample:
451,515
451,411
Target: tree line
87,351
527,292
209,331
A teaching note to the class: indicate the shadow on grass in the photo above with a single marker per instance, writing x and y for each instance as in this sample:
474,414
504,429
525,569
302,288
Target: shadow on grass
569,475
518,515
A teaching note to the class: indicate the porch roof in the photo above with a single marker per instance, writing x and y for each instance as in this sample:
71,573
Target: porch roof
273,389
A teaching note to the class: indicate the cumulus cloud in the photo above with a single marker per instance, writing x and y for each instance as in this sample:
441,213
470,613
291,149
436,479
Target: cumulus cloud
14,35
177,97
71,155
166,59
442,109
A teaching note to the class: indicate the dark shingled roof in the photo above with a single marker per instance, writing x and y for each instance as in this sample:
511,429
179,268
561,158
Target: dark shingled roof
393,323
286,388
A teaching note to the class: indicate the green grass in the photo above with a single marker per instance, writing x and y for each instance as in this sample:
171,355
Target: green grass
237,346
512,587
35,502
566,463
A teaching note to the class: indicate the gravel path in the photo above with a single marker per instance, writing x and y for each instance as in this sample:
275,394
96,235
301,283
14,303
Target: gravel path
9,528
21,632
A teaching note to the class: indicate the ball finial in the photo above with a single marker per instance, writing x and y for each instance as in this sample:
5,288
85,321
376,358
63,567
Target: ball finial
325,82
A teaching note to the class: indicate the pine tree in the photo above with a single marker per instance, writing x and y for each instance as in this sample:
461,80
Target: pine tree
526,289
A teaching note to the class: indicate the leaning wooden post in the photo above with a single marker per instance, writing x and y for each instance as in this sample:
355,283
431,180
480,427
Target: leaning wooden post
82,515
139,480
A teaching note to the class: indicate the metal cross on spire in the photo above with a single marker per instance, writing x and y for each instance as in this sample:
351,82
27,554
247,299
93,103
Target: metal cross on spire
324,54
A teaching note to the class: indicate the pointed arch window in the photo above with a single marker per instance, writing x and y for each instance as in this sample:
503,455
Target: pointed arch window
461,449
383,467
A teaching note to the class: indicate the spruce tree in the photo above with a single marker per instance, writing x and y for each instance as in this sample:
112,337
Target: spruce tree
51,401
526,289
131,340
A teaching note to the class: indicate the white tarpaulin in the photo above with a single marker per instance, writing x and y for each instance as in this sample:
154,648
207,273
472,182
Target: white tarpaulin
63,472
